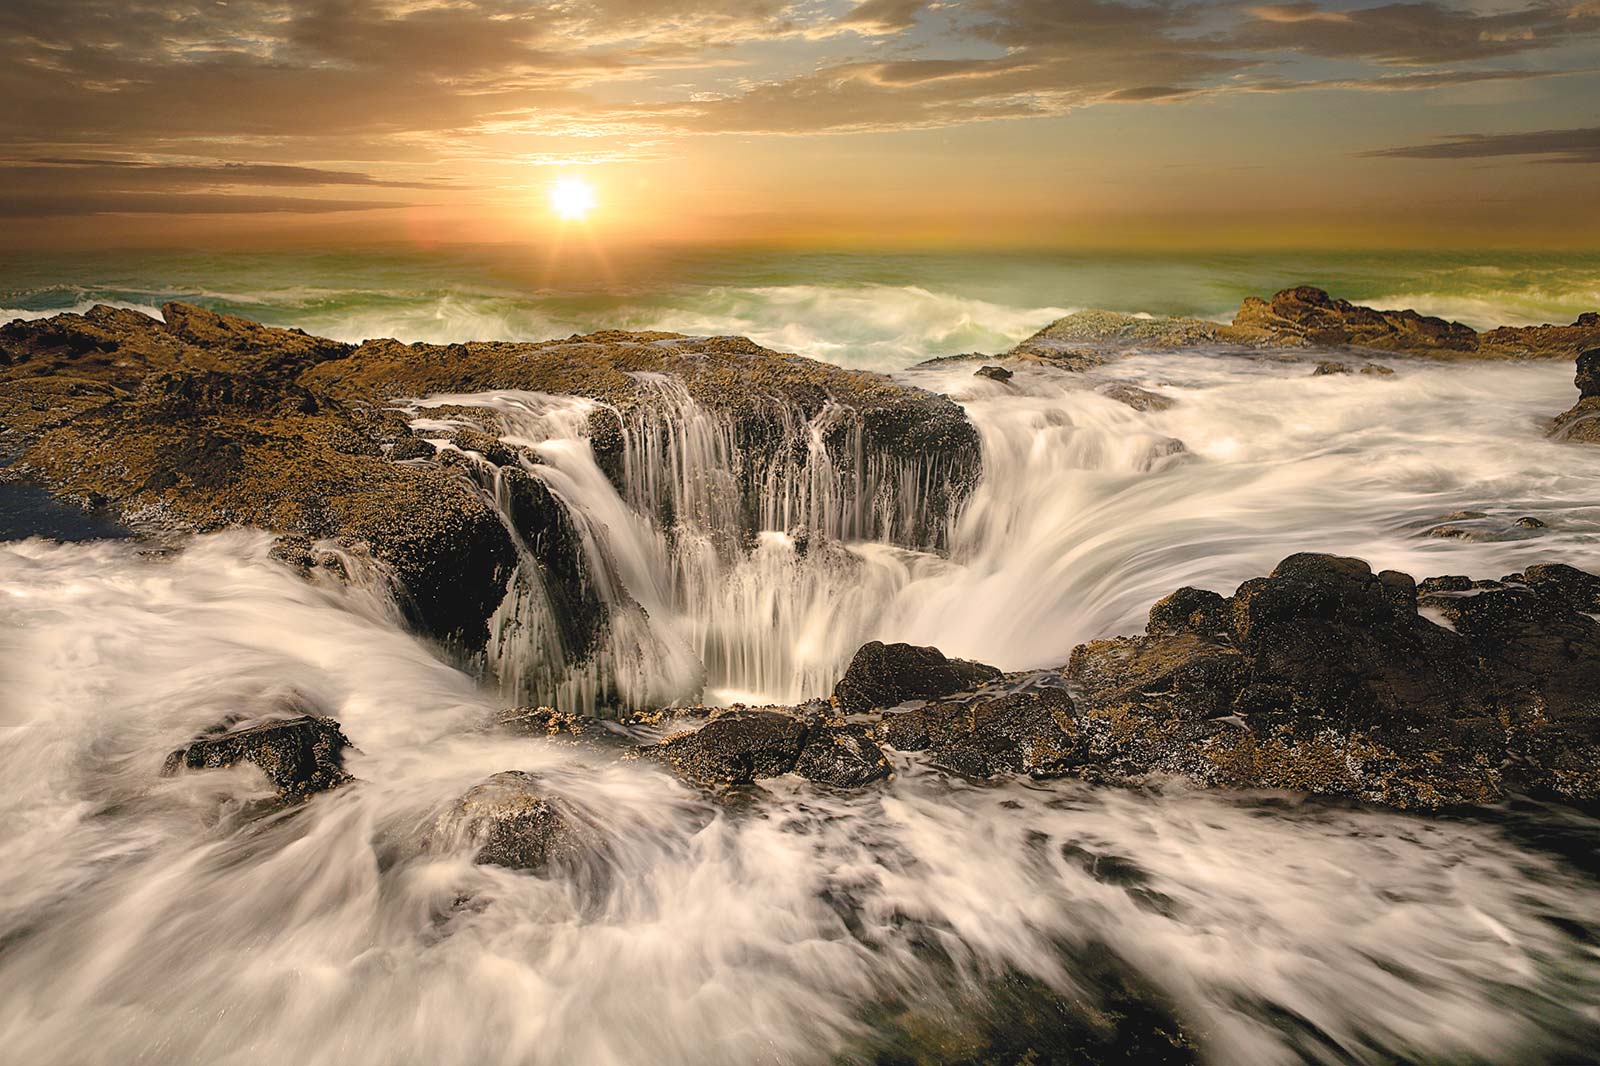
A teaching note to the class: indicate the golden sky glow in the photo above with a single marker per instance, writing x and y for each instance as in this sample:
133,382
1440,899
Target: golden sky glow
813,121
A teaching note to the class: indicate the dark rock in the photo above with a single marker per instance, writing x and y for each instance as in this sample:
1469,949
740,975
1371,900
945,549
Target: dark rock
1377,370
1018,733
1578,589
1327,368
1190,610
510,821
299,755
1031,732
1137,398
1309,315
886,675
1588,375
736,748
844,756
1529,522
1327,680
993,373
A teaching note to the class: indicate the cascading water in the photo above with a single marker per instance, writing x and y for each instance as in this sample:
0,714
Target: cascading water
722,575
732,576
188,921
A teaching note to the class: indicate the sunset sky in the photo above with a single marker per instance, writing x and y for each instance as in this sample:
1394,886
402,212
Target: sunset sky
826,122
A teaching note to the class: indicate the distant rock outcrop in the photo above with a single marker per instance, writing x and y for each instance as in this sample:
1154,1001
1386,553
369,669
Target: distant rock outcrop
1305,318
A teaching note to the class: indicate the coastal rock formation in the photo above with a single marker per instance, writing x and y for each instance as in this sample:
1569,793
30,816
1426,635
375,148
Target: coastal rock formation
1303,317
1581,422
300,755
207,421
1322,677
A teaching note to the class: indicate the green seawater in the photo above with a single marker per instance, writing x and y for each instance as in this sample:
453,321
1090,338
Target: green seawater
856,308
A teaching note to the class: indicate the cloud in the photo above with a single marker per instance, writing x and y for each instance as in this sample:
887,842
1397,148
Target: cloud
883,16
1555,146
1411,33
115,203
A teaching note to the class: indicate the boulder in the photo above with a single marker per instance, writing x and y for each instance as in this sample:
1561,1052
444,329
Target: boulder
845,756
993,373
509,820
886,675
735,748
1189,610
299,755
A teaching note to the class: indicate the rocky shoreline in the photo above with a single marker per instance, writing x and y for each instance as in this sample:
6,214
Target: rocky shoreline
1321,677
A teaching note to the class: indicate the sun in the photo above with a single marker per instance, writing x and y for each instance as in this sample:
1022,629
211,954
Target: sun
572,199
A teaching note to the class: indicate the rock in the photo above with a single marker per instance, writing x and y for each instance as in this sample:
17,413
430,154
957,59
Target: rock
885,675
1578,589
299,755
547,722
410,447
491,448
1309,316
1377,370
1529,522
1582,421
508,820
1324,369
1588,375
736,748
1327,680
1137,398
844,756
993,373
1305,317
1189,610
1029,732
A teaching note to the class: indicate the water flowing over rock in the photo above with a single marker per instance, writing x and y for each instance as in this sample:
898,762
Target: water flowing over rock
300,755
509,820
589,518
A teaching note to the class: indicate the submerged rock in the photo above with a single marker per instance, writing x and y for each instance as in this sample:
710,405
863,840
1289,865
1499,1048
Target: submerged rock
299,755
885,675
1137,398
510,821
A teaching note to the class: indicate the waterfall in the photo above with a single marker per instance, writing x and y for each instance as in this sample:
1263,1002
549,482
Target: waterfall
726,565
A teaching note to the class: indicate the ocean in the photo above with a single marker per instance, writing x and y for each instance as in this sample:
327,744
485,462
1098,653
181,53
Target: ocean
862,309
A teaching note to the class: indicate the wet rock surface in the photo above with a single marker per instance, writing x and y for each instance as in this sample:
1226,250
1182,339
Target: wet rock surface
883,675
1581,422
1326,679
300,756
511,820
206,421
